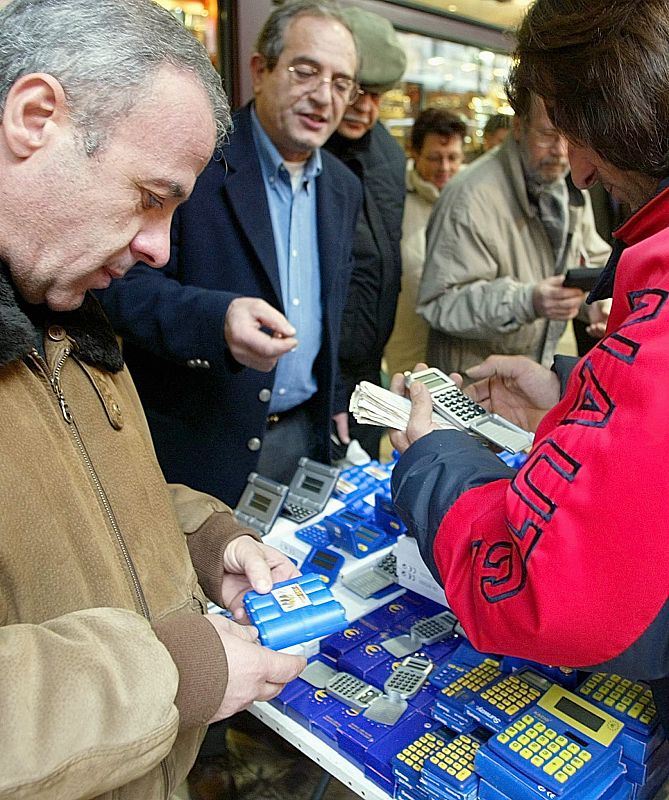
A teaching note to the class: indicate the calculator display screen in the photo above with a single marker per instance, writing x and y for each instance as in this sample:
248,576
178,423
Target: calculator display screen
365,534
434,382
580,714
322,559
260,502
312,484
348,516
535,679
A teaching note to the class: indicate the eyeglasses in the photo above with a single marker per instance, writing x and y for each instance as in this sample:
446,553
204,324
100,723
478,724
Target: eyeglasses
546,139
308,78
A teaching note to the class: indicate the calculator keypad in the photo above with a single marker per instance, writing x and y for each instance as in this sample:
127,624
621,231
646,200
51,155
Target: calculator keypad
628,698
315,535
510,695
388,565
297,512
474,679
459,404
454,762
351,690
414,755
552,755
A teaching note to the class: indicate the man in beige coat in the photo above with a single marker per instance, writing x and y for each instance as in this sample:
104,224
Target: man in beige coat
499,240
110,667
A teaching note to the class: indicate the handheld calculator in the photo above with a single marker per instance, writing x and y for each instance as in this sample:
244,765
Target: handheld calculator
317,535
325,563
450,772
424,632
408,763
455,407
627,700
260,503
408,679
353,534
461,679
352,691
507,698
309,490
563,744
386,515
366,583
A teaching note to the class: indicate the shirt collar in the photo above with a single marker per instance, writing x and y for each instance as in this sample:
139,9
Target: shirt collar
271,160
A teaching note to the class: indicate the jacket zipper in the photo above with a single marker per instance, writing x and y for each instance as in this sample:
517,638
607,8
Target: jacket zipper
67,416
69,419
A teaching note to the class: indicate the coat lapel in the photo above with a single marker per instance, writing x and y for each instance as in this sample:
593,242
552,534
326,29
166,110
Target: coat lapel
245,190
332,206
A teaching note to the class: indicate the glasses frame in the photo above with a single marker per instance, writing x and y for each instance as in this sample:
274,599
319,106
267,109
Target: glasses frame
353,93
541,138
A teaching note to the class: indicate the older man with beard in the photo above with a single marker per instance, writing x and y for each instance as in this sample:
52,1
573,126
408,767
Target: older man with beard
500,238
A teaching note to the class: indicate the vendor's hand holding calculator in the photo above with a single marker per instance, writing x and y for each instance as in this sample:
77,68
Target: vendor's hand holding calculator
463,413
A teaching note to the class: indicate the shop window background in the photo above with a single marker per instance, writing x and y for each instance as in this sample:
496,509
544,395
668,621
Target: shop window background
463,79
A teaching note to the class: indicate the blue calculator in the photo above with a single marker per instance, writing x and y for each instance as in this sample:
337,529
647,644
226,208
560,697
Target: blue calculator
563,745
503,701
386,515
295,611
325,563
354,535
632,703
449,772
461,679
627,700
317,535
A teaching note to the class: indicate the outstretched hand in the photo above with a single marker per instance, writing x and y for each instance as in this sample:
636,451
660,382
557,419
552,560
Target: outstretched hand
515,387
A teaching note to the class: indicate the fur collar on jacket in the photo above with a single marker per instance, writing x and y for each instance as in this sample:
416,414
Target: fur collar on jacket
86,325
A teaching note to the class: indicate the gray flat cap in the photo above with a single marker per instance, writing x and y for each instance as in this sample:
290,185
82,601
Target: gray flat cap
382,59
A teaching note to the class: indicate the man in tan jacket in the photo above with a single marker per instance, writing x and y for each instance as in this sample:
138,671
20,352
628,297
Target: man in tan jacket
500,238
110,666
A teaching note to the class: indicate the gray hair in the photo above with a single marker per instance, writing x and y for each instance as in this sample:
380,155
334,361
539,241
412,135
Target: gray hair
104,53
270,42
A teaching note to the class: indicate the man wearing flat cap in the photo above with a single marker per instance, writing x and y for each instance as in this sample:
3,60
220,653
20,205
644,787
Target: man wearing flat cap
366,147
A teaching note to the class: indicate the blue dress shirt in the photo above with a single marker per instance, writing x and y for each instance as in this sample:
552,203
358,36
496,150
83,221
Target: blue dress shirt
295,227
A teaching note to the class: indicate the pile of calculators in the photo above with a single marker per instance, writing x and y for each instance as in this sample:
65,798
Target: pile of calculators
404,696
402,693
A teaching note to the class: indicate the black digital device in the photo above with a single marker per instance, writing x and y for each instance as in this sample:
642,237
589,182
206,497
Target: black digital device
309,490
260,503
582,277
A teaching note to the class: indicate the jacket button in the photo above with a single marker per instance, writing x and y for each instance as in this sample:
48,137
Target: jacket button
264,395
205,364
254,444
191,363
56,333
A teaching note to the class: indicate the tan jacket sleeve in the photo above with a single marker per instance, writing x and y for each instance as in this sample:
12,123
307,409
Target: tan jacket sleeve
87,704
210,526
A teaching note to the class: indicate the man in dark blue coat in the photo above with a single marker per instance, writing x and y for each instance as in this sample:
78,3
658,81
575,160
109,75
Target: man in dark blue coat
233,346
370,152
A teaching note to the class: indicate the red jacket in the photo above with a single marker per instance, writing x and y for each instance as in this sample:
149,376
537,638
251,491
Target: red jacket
567,561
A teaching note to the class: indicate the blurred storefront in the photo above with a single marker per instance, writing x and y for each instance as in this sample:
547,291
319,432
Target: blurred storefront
458,53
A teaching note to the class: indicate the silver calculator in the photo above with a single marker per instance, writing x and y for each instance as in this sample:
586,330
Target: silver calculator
352,691
462,412
407,680
366,582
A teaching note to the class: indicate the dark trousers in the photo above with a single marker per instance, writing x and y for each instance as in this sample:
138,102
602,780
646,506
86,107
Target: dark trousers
286,441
